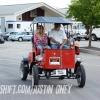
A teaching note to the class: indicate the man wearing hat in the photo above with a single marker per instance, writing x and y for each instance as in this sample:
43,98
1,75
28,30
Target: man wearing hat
58,38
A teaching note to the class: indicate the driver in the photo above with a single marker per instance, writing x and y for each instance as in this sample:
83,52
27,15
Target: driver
58,38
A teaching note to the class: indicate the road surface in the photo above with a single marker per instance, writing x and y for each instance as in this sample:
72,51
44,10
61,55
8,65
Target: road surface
11,54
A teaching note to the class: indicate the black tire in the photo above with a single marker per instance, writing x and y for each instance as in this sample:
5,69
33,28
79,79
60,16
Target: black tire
86,38
23,71
94,38
20,39
35,75
47,74
12,40
75,39
7,39
28,40
81,76
79,38
61,77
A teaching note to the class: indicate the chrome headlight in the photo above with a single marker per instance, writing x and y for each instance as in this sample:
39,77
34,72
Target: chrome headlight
39,58
78,58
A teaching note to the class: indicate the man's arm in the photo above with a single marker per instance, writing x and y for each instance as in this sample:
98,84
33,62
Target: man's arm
51,37
64,39
53,40
64,42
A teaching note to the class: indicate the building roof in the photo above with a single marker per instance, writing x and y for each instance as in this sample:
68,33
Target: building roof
16,8
17,21
63,10
11,9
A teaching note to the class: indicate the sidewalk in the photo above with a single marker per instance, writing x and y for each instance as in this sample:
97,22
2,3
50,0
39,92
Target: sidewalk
96,44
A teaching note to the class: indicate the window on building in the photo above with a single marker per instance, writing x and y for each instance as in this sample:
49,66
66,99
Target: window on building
33,13
18,25
10,25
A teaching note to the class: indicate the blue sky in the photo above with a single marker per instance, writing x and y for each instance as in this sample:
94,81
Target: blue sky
53,3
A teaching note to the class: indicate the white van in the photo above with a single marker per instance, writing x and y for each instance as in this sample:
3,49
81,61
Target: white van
78,30
96,34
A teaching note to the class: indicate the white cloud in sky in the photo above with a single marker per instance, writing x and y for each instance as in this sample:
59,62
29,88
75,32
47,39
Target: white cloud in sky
53,3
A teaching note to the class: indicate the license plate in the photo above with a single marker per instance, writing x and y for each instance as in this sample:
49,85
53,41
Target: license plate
54,60
61,72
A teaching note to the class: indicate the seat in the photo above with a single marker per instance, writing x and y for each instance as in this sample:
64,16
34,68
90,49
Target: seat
48,41
32,39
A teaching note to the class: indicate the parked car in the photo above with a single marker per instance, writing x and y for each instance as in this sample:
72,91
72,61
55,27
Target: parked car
2,40
6,35
21,36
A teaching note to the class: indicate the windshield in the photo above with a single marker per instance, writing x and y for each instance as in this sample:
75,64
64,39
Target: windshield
21,33
79,27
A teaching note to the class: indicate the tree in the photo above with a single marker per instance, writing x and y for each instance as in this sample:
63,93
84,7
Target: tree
86,11
74,1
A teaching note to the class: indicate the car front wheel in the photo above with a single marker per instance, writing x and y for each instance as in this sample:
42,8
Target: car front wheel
20,39
23,71
94,38
81,76
35,75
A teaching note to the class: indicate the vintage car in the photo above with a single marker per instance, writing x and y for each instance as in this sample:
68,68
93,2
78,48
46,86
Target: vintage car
54,62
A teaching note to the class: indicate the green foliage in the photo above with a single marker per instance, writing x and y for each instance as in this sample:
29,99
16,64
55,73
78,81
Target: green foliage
86,11
74,1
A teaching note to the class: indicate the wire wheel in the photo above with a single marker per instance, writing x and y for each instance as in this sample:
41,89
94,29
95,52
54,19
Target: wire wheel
35,75
81,76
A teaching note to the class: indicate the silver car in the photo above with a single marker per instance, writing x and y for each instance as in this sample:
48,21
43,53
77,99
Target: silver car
21,36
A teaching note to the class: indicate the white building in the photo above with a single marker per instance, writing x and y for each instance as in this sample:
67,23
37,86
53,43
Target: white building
18,26
2,24
26,12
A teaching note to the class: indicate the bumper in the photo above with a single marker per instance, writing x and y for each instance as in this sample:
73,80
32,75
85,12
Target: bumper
14,39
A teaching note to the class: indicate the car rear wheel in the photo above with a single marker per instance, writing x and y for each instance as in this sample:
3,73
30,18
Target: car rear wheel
20,39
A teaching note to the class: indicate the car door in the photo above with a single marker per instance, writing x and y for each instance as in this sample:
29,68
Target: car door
23,35
28,35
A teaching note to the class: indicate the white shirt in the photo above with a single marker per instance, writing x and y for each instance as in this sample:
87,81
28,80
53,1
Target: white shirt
59,36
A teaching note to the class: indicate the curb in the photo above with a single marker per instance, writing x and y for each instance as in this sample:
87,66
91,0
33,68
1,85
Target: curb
88,51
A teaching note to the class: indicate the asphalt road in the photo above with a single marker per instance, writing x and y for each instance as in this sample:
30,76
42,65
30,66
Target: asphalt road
11,54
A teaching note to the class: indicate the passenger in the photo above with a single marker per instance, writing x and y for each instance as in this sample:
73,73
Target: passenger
58,38
40,39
